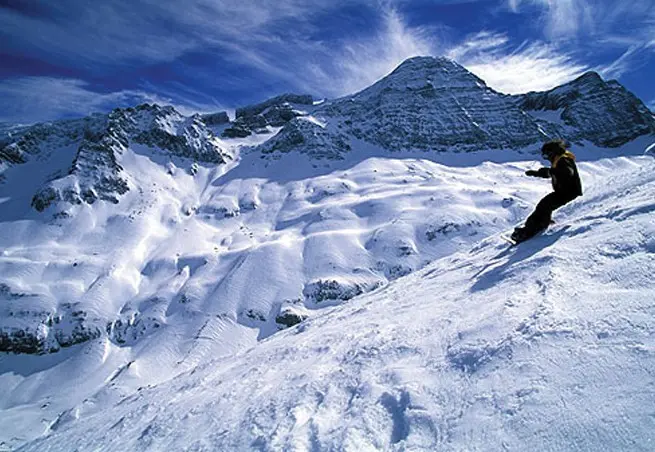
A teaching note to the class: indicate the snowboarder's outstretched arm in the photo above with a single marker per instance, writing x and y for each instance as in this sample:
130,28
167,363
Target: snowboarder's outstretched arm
541,172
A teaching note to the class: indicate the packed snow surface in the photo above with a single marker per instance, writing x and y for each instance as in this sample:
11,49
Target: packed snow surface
488,347
330,276
549,344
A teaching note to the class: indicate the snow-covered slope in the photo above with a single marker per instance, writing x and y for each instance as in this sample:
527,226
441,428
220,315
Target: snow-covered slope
137,245
548,345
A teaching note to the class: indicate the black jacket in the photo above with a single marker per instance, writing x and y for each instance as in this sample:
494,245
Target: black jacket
564,174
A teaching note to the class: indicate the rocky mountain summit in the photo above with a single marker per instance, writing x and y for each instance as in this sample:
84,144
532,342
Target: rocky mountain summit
604,113
95,172
434,104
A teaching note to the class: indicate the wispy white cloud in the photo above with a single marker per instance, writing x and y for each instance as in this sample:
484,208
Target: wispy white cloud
359,63
604,20
477,44
535,66
35,99
342,65
560,18
514,5
268,40
621,65
129,31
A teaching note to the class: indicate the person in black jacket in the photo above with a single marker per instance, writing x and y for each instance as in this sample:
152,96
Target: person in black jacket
566,186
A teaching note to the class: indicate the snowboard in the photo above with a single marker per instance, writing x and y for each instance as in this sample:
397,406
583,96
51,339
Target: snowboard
507,235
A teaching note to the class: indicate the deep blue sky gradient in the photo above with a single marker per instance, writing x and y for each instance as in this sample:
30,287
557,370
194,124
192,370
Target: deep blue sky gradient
68,58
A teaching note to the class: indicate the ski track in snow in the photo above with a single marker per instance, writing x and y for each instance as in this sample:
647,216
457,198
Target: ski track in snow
548,343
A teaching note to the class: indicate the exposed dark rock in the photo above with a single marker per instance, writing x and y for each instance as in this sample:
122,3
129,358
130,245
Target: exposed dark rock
236,131
274,112
253,314
434,104
289,317
253,110
11,153
332,290
44,198
7,293
279,115
20,341
393,271
447,228
95,173
216,119
165,128
33,140
309,138
131,328
604,113
45,332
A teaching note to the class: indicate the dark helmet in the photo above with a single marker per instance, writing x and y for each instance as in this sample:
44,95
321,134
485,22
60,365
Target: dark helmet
552,149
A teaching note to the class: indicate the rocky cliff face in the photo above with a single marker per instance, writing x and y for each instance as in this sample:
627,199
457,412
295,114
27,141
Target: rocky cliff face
434,104
274,112
604,113
18,144
30,327
95,173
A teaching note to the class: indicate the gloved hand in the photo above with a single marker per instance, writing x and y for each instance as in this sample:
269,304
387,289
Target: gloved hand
532,173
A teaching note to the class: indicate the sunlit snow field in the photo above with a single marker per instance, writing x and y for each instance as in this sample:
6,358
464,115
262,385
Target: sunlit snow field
482,346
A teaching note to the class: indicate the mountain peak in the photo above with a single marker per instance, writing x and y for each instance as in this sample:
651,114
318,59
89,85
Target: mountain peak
590,80
590,75
425,73
418,62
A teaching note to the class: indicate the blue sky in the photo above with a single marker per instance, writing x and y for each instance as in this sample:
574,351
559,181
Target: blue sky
67,58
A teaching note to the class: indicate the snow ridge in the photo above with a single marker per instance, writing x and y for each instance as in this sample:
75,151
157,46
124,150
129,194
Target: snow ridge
157,242
547,344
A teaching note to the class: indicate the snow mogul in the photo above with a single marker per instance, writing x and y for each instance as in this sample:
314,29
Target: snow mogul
566,187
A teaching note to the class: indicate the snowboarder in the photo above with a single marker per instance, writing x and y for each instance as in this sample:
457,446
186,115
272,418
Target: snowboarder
566,186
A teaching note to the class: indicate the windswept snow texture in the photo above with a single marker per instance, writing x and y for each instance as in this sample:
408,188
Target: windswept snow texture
167,285
548,345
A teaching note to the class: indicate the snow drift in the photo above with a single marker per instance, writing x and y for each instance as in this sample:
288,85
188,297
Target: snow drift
549,344
199,283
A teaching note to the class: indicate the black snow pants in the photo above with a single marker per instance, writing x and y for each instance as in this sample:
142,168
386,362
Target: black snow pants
540,218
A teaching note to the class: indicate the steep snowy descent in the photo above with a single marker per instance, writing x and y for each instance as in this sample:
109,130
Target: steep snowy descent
548,344
218,243
188,268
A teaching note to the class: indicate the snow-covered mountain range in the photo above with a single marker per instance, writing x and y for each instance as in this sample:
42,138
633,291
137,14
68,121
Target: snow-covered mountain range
140,247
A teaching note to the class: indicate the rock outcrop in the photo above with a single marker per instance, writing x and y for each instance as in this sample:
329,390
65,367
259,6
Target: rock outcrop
215,119
29,328
95,173
589,108
434,104
274,112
